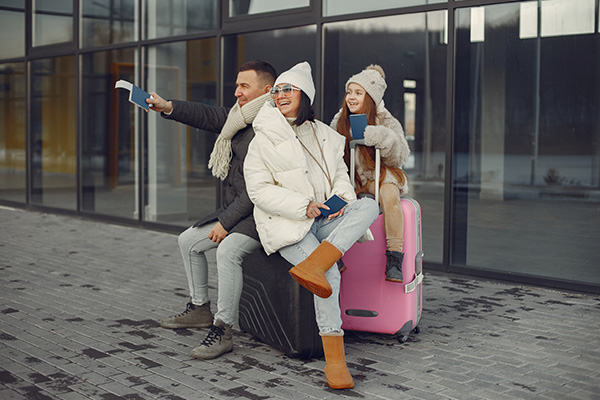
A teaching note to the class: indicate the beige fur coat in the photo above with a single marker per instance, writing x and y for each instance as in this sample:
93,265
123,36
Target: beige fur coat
388,137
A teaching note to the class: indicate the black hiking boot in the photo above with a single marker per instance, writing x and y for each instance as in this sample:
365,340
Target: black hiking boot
393,269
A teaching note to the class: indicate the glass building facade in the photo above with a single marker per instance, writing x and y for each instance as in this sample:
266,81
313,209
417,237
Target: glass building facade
500,101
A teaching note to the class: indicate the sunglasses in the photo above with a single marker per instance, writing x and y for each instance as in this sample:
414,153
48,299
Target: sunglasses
285,89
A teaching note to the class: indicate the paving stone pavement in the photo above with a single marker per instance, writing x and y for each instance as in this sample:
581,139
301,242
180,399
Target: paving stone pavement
80,301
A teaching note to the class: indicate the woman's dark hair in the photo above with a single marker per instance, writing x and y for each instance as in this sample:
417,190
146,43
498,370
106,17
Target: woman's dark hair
305,112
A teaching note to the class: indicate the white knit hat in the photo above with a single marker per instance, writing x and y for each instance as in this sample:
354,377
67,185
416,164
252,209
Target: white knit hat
372,79
300,76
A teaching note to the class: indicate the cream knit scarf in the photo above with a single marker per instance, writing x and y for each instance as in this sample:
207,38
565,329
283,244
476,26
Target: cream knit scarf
237,119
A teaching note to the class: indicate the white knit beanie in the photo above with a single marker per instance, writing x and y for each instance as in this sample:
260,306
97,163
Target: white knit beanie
372,79
300,76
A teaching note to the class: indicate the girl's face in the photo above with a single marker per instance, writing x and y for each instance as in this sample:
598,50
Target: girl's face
355,98
288,103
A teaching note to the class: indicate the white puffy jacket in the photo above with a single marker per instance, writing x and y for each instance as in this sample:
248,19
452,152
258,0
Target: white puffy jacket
277,178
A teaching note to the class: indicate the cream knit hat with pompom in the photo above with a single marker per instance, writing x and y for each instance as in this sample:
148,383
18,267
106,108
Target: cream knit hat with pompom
372,79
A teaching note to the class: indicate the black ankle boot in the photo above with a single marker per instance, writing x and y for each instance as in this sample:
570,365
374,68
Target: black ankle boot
341,266
393,269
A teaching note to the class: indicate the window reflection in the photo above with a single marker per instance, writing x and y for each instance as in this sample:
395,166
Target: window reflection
567,17
53,133
108,162
528,20
477,24
244,7
558,18
411,50
12,132
279,53
527,152
12,21
341,7
108,21
180,188
178,17
52,22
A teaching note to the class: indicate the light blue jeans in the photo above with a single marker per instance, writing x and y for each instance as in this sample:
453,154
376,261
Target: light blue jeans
194,243
342,232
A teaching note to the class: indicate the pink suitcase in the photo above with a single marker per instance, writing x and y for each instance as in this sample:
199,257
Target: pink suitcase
370,303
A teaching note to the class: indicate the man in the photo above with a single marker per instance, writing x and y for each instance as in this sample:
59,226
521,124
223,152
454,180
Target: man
231,228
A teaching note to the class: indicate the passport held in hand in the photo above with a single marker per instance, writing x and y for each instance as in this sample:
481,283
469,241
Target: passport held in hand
358,123
335,204
137,96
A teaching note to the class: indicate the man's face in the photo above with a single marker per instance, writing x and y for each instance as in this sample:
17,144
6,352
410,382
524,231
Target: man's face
248,87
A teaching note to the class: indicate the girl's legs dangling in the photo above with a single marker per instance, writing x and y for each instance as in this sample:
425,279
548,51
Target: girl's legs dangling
393,221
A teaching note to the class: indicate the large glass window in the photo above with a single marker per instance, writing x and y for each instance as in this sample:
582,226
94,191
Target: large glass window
108,21
180,187
179,17
244,7
412,51
527,176
281,48
52,22
108,124
53,132
12,21
12,132
341,7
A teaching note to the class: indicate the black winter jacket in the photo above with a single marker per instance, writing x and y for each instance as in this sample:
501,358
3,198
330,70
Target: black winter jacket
235,214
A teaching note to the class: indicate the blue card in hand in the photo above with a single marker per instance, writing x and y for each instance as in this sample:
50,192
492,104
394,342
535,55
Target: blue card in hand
335,204
358,123
136,95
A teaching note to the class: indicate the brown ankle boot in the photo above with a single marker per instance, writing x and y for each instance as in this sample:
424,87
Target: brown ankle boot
310,273
336,371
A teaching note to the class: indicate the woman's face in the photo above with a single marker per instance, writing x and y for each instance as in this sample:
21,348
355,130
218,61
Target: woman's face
288,103
355,98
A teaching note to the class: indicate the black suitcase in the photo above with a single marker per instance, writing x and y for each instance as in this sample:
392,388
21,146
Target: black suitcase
275,309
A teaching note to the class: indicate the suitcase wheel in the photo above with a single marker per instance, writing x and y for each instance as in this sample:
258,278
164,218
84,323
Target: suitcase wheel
403,338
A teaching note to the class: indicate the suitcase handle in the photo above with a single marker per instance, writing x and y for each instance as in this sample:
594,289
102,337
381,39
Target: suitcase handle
415,282
353,144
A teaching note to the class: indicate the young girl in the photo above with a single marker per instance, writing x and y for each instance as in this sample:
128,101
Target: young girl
364,95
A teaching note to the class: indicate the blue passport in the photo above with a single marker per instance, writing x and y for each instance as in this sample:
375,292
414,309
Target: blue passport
136,95
335,204
358,123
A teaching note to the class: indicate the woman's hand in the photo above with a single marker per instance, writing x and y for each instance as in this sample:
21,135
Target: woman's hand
337,214
313,210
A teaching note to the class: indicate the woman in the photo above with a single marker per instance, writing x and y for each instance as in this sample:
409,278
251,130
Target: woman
294,164
364,95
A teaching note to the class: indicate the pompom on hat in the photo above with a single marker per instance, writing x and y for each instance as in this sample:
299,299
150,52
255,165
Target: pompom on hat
300,76
372,79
